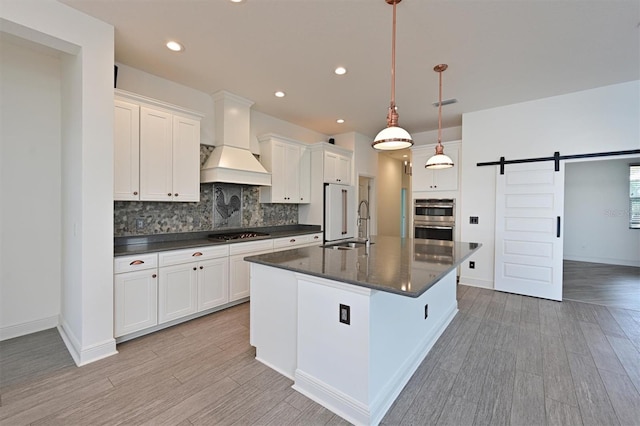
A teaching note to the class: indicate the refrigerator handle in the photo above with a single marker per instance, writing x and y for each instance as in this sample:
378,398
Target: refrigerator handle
344,211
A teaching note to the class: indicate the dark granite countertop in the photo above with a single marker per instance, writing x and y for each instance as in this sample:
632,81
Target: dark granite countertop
124,246
397,265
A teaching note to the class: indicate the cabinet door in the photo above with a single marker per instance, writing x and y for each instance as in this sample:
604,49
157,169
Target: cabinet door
213,283
156,164
343,170
136,301
330,167
305,176
239,275
292,173
421,178
177,291
126,152
278,173
186,159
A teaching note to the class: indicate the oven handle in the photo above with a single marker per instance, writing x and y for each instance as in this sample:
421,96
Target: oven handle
443,206
418,225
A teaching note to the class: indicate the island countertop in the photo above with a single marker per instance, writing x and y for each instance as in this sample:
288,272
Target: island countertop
404,266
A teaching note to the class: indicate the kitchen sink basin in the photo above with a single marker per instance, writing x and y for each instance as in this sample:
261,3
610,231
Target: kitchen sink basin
345,245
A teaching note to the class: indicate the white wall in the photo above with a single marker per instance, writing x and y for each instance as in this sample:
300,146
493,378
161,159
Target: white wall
30,187
602,119
86,312
596,213
389,190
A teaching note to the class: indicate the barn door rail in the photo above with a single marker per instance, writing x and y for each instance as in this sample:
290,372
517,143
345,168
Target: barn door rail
556,158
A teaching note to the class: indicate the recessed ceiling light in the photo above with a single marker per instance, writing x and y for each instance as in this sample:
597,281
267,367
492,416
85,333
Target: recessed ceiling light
237,1
280,94
339,121
404,156
340,71
175,46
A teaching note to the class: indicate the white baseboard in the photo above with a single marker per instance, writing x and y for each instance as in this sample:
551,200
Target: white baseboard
17,330
85,355
475,282
606,261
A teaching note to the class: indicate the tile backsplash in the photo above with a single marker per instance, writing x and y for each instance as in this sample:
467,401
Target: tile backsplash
167,217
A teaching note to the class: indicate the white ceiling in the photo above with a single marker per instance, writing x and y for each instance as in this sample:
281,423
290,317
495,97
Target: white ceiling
498,52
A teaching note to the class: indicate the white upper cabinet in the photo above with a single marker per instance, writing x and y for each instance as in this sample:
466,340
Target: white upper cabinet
423,179
126,151
157,150
337,167
289,165
186,159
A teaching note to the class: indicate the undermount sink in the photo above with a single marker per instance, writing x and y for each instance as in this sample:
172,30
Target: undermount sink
345,245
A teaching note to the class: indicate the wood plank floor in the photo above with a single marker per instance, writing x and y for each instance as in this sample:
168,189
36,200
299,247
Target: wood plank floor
505,359
610,285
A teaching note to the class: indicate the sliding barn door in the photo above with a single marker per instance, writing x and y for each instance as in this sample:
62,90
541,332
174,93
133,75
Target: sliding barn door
528,241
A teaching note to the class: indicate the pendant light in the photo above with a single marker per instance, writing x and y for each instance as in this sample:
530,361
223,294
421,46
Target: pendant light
440,160
392,137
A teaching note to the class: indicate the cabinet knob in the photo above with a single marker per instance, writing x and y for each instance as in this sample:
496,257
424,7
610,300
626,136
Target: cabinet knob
316,237
176,194
153,276
135,192
194,268
202,267
169,194
293,240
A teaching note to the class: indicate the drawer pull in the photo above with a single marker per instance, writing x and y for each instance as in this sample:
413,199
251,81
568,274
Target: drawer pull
137,262
293,240
196,254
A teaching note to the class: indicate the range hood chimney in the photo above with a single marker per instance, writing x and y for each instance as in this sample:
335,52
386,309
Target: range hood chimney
231,160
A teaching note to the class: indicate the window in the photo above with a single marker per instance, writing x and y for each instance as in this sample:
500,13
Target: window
634,196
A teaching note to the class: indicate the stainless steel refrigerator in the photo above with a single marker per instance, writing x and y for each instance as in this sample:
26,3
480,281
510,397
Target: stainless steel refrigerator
339,212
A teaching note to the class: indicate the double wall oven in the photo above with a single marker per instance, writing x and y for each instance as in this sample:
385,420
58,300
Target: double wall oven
434,219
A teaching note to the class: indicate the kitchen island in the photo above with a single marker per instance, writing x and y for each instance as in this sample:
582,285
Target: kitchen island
350,325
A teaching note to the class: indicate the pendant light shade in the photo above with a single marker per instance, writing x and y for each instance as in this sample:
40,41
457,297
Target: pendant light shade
392,137
439,160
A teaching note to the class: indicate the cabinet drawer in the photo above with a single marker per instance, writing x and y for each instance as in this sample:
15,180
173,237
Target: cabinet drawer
176,257
250,247
135,262
296,240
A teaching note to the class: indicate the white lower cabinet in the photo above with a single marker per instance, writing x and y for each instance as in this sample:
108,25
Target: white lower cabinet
177,292
157,288
191,281
135,293
239,275
213,283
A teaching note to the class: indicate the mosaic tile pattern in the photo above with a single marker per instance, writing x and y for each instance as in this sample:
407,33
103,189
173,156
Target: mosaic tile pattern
166,217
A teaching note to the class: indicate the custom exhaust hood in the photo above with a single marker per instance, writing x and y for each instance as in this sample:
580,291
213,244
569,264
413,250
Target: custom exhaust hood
231,160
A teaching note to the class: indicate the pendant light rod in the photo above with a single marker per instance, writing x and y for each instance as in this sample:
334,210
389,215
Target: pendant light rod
439,69
439,160
392,115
